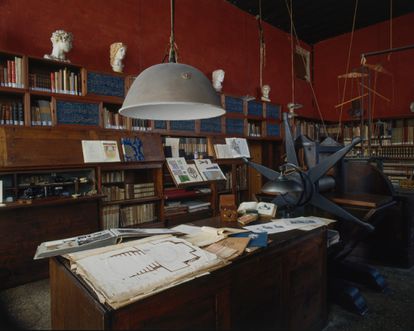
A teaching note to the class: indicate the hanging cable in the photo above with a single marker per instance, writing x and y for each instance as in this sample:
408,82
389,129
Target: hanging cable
347,69
293,29
389,55
172,52
262,44
291,52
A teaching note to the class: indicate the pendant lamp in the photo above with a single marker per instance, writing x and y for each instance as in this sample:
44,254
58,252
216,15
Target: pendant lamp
171,91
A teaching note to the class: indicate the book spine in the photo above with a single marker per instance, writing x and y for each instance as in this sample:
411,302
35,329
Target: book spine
65,77
9,73
13,73
52,82
20,111
15,114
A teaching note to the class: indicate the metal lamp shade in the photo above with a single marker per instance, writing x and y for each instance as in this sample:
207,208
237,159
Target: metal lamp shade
171,91
281,185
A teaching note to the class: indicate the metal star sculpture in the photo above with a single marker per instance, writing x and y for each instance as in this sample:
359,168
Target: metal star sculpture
307,181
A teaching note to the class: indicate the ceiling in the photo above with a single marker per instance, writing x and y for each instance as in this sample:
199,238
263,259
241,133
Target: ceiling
316,20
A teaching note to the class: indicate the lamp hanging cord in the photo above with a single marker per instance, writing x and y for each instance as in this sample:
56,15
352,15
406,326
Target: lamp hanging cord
389,55
173,49
262,44
291,52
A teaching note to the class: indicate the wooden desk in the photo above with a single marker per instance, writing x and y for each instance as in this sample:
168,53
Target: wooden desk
281,287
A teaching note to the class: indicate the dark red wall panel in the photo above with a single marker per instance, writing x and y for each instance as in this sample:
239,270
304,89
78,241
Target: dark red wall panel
331,58
210,34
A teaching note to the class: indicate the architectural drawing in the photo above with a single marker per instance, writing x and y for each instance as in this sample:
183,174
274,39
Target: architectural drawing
123,273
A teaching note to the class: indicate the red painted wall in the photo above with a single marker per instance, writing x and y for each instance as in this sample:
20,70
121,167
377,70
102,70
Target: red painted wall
210,34
331,58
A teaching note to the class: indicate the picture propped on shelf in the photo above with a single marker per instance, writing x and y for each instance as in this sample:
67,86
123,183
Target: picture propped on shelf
133,149
181,172
209,170
233,148
100,151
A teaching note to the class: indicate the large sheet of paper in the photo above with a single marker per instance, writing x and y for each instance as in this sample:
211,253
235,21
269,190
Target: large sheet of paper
100,151
287,224
124,273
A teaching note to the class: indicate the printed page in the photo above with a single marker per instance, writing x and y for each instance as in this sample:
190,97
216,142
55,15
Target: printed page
126,272
95,151
238,147
174,143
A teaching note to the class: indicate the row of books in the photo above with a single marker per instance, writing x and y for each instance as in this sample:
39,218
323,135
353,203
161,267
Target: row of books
225,185
140,125
130,191
114,120
402,152
61,81
241,177
11,73
110,217
137,214
142,190
254,129
11,113
307,128
113,176
113,193
174,208
189,147
41,113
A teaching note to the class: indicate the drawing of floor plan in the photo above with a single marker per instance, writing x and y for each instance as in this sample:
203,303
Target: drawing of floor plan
129,271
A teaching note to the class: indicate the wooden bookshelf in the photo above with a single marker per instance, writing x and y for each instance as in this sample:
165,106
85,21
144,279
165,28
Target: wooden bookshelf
52,106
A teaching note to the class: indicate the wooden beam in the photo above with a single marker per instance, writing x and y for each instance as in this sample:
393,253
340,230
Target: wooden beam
350,100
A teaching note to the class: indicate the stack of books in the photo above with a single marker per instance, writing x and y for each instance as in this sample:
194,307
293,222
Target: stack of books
196,205
175,208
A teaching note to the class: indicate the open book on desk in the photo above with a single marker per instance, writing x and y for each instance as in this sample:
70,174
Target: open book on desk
94,240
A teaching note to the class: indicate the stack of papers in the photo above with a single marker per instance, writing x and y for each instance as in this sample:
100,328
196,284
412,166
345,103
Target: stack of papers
287,224
124,273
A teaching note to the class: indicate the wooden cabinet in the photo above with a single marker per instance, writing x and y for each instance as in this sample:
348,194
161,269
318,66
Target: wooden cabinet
281,287
24,226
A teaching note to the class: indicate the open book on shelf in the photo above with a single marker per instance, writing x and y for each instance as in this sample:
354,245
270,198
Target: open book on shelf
94,240
202,170
100,151
233,148
182,172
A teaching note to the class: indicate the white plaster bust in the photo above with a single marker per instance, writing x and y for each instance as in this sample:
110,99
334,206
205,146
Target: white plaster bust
62,44
218,78
265,93
117,53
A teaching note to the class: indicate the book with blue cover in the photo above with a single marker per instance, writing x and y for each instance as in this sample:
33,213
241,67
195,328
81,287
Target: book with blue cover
257,239
132,149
